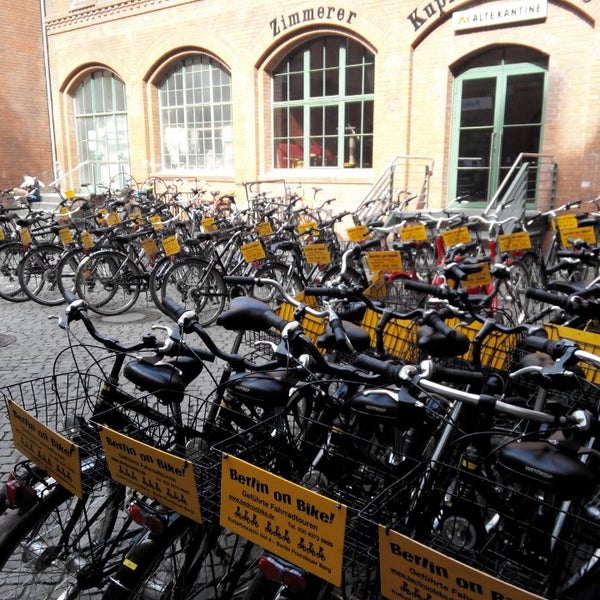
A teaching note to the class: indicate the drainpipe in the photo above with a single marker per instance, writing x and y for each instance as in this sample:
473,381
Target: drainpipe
48,90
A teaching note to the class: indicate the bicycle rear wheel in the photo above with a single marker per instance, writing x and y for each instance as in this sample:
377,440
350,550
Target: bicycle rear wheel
109,281
11,254
37,273
193,284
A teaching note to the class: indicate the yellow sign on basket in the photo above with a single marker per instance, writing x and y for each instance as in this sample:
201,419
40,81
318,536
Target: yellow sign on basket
317,254
25,236
66,237
410,570
113,219
413,233
208,225
309,225
167,478
511,242
295,523
156,222
358,233
171,245
264,229
566,221
48,449
86,239
586,234
480,279
384,260
149,247
253,251
460,235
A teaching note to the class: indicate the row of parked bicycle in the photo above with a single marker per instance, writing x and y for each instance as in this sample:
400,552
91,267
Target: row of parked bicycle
141,245
380,444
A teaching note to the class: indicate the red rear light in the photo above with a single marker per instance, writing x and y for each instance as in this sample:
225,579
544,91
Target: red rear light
273,570
146,518
18,493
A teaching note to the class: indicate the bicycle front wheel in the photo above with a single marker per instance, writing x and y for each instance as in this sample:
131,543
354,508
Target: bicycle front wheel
63,547
37,273
193,284
109,282
11,254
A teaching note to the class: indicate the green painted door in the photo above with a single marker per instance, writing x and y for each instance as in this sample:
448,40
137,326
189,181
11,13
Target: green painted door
497,114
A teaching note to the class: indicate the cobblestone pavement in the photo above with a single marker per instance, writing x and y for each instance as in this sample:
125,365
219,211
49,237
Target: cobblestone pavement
30,342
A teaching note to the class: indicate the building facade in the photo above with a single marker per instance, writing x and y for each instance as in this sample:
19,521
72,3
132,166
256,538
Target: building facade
327,94
25,135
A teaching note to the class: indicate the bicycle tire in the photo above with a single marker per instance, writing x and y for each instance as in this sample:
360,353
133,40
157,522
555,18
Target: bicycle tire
66,269
52,549
282,273
11,254
193,285
37,274
109,282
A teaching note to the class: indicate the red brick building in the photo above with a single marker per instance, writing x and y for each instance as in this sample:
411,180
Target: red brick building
327,94
25,140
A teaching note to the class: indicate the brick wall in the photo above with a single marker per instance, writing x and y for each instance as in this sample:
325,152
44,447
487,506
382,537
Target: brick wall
24,123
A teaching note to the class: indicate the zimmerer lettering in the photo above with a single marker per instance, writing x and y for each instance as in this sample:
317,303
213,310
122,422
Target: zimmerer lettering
321,13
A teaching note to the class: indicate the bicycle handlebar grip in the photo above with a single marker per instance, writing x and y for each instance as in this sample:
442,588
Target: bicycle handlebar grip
424,288
338,332
548,298
381,367
273,320
238,279
456,375
554,348
332,292
441,326
174,310
69,296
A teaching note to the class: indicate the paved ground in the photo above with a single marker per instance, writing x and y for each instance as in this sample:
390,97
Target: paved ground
30,342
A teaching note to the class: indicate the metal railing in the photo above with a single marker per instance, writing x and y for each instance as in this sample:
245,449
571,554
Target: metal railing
94,175
403,177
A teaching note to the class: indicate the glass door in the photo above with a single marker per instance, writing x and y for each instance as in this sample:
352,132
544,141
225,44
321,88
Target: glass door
498,114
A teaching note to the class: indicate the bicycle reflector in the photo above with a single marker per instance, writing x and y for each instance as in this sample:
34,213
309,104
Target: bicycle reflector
147,518
18,493
273,570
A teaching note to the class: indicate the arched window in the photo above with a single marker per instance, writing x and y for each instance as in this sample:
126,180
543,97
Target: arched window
323,95
101,126
196,115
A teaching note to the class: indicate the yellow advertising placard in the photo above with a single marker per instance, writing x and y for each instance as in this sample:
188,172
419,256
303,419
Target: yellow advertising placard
413,233
317,254
480,279
149,247
2,236
86,239
512,242
25,236
264,229
297,524
253,251
410,570
384,260
48,449
113,219
208,225
577,233
167,478
459,235
358,233
171,245
66,237
303,227
156,222
566,221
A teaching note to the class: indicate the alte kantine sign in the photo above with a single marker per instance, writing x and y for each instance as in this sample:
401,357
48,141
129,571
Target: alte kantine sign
319,13
432,10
